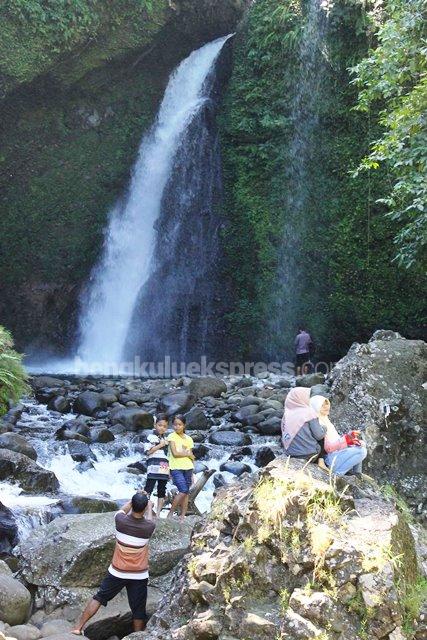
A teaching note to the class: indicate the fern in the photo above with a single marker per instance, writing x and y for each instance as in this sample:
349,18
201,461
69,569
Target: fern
13,377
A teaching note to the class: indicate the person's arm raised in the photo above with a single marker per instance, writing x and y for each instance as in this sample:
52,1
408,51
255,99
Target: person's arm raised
149,511
127,507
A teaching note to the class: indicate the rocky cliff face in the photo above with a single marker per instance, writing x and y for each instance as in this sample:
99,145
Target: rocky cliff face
291,555
78,92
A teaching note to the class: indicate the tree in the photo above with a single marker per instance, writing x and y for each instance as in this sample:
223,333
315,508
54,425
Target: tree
393,79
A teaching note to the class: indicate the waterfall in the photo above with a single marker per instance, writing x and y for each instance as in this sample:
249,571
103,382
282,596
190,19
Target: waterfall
127,260
310,90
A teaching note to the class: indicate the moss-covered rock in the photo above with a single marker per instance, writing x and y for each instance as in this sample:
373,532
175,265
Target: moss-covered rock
291,555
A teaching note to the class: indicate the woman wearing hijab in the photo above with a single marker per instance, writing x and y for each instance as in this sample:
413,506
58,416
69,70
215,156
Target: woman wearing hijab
344,453
301,428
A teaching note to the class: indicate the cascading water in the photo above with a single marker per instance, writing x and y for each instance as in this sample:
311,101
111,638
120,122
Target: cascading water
305,118
126,263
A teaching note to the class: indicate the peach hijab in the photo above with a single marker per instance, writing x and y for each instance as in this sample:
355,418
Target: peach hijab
297,412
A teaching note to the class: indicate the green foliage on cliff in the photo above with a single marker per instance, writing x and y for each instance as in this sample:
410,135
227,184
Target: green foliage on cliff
12,374
70,37
305,241
394,76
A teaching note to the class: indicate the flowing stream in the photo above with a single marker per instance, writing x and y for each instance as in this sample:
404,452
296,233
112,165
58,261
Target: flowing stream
130,239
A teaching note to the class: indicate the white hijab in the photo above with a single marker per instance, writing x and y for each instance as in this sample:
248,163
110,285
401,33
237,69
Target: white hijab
316,403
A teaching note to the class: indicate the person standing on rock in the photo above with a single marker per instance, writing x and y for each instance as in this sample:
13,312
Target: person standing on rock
303,345
181,462
129,566
156,448
346,453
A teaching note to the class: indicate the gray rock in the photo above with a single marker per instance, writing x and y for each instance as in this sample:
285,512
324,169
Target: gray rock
244,412
178,402
133,418
88,403
230,438
15,442
264,456
14,414
235,467
76,550
310,380
320,390
101,435
55,627
207,386
38,382
15,601
378,386
17,467
250,400
196,419
89,504
270,427
80,451
59,403
8,530
24,632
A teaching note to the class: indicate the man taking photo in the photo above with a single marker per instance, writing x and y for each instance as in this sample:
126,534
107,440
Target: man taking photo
129,566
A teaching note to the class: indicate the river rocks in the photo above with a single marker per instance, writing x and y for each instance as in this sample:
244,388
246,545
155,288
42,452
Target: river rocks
207,386
89,504
235,467
310,380
15,442
378,386
173,403
8,530
89,403
270,427
196,419
79,451
15,601
263,456
31,477
13,415
102,435
243,414
230,438
55,627
286,554
133,418
24,632
59,403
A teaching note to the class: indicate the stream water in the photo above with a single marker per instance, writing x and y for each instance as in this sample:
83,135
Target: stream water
107,479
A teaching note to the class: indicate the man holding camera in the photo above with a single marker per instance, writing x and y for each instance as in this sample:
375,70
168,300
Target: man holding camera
129,566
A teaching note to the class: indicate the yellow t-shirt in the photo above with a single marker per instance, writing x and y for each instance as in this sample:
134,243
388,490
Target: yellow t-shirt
181,442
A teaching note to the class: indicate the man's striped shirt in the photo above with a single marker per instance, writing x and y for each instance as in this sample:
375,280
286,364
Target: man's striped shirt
130,559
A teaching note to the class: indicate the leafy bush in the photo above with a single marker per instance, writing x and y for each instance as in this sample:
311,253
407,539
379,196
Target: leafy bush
394,76
12,374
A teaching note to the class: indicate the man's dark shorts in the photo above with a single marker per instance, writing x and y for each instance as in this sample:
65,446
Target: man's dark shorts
136,590
302,359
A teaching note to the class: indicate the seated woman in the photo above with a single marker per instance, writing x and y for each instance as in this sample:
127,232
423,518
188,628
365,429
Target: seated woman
344,453
302,432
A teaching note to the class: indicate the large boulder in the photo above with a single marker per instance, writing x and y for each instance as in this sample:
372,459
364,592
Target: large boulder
15,601
15,442
132,418
76,550
287,554
17,467
59,403
378,387
89,403
207,386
